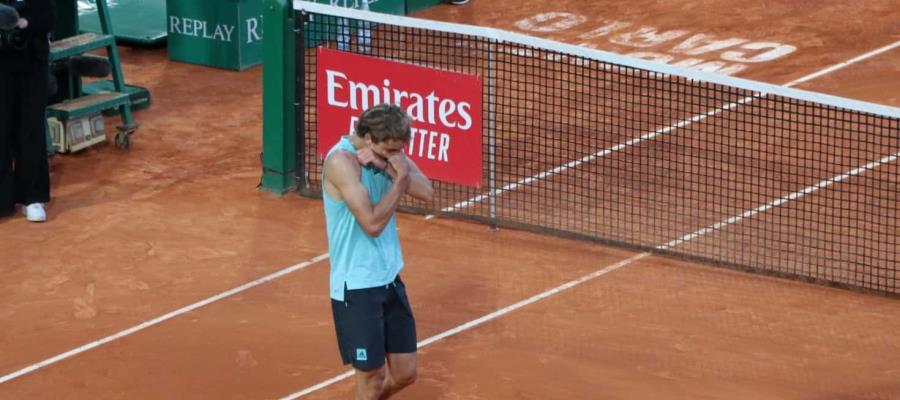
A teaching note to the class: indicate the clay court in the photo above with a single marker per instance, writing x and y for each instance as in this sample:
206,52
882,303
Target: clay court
165,273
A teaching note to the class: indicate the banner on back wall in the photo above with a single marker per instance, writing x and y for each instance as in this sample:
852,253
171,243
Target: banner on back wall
445,108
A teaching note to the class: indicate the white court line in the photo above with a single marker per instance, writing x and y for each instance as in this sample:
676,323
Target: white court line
844,64
475,322
568,285
157,320
591,157
777,202
652,135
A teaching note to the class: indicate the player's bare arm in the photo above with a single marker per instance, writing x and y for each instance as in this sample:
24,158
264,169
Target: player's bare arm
420,186
367,157
342,172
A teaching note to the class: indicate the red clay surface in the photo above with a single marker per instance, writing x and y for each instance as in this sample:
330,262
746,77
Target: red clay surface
134,235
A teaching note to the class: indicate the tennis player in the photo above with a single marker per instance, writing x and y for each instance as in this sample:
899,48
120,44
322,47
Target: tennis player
366,174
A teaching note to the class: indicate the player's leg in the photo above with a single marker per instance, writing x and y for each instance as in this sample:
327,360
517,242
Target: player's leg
400,332
401,372
359,325
370,384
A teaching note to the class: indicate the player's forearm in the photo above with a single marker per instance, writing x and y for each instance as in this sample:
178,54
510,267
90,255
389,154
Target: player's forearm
420,187
385,209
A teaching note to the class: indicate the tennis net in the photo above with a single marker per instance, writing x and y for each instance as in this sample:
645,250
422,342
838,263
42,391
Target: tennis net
587,144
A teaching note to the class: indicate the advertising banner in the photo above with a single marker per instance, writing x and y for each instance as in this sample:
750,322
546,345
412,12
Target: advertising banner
445,108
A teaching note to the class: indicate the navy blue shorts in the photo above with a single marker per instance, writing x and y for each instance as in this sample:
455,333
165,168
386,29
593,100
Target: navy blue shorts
372,322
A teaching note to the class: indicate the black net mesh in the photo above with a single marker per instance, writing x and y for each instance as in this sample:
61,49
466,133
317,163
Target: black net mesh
606,152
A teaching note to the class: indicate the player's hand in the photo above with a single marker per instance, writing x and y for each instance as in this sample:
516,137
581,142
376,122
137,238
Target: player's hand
368,158
399,164
22,23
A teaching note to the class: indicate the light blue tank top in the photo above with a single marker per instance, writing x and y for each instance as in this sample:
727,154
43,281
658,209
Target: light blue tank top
358,260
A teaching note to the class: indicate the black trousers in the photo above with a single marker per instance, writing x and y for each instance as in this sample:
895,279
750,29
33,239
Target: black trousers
24,167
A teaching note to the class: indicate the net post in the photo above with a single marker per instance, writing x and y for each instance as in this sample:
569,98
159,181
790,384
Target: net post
492,151
301,176
279,140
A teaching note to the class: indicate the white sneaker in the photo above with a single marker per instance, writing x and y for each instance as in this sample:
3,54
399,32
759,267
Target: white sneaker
34,212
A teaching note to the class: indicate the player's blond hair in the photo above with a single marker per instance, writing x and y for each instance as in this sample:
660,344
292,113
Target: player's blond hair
384,122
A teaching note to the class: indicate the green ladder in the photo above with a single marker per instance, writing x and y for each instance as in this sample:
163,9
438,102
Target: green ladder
93,103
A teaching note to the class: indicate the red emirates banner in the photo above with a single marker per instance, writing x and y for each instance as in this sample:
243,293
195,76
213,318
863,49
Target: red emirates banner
445,108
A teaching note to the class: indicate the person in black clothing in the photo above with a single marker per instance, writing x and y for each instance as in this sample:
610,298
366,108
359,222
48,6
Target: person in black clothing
24,71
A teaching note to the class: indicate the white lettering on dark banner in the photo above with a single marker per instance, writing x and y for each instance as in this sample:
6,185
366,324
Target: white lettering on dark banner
445,107
431,108
429,144
254,29
199,28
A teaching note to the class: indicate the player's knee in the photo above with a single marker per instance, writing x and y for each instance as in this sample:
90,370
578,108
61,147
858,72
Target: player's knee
372,382
374,376
405,378
374,390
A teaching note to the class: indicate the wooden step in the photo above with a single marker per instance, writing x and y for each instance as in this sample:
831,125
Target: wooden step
140,97
86,105
78,44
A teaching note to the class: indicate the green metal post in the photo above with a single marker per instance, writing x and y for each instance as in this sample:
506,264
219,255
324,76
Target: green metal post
279,77
300,174
118,78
